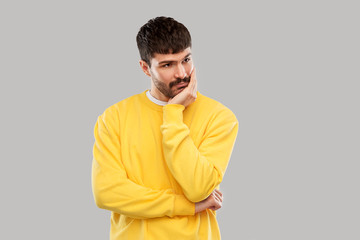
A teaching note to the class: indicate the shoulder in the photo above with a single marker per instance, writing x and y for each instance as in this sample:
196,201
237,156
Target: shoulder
125,103
217,109
113,111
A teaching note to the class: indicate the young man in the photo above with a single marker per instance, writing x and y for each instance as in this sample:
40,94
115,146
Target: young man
159,156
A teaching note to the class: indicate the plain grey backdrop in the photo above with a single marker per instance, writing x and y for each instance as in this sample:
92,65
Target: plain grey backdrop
289,70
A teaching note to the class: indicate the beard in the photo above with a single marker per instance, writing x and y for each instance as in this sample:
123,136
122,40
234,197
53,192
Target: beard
167,90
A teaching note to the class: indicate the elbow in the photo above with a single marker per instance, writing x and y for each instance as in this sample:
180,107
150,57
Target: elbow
103,201
101,194
197,195
102,197
100,204
99,200
199,192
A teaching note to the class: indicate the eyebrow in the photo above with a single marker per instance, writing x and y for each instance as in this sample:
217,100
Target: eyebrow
169,61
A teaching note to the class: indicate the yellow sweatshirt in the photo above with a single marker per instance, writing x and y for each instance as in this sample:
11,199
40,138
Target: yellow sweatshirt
152,163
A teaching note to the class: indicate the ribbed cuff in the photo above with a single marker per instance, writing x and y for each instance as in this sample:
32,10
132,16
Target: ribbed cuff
173,113
183,206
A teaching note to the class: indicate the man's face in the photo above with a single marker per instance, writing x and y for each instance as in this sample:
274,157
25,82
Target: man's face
170,73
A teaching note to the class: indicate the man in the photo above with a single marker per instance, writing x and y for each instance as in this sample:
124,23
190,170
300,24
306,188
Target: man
159,156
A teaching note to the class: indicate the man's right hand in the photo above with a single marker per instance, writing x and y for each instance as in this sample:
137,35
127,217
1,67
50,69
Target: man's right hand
213,202
187,95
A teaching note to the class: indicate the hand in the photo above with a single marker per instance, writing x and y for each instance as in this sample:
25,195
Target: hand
188,94
213,202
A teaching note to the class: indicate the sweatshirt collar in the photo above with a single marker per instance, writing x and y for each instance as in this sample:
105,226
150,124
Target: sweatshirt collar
154,100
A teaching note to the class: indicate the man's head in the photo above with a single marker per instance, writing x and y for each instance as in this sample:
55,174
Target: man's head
162,35
165,50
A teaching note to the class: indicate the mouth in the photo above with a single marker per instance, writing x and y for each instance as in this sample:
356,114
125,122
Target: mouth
182,85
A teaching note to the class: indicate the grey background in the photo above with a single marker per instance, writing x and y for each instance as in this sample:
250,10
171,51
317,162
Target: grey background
289,70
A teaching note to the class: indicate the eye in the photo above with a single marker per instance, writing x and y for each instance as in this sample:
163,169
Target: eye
166,65
187,59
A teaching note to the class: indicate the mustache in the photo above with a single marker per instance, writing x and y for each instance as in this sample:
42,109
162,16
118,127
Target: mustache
179,80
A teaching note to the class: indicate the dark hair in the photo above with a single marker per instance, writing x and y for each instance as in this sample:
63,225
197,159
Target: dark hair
162,35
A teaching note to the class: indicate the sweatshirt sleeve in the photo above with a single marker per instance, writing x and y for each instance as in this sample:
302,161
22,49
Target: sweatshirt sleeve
112,189
198,170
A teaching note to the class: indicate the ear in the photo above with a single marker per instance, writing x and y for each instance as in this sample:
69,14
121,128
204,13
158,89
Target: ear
145,67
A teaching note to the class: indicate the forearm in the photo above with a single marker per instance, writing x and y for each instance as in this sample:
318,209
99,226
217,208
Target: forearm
197,169
114,191
196,175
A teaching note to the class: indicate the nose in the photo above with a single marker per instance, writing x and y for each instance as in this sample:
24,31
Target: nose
180,71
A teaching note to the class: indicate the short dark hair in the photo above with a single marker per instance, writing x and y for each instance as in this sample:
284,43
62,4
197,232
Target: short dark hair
162,35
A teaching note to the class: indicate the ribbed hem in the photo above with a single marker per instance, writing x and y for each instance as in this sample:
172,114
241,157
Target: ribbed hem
173,113
183,206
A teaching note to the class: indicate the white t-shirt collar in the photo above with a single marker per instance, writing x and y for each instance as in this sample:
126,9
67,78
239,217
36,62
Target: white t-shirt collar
154,100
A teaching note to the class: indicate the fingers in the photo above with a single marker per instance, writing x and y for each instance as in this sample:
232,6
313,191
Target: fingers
217,203
193,82
218,194
192,75
219,199
192,87
216,200
213,202
218,191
